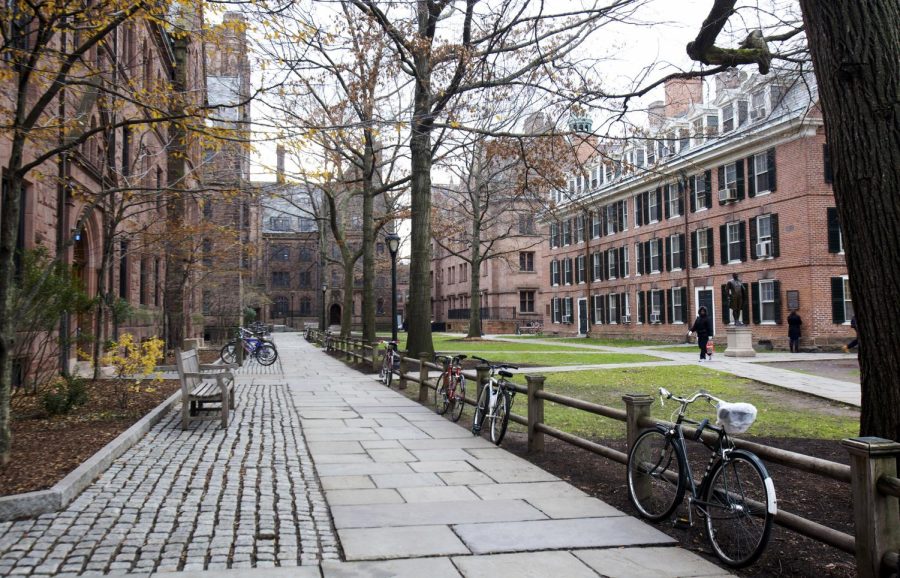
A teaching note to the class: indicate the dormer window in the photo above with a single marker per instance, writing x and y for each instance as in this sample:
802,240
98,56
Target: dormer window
712,124
734,115
639,157
651,153
758,105
684,139
595,177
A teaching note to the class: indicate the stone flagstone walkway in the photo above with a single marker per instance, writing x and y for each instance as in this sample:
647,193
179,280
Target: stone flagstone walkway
321,453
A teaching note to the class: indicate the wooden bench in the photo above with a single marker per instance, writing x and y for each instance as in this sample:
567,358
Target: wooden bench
215,386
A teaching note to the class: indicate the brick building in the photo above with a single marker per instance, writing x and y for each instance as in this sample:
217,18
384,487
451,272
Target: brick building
652,229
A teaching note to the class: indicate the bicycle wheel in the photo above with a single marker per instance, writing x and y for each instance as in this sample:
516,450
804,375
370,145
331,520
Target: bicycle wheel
458,403
738,504
441,401
266,354
480,410
389,370
656,475
229,352
500,417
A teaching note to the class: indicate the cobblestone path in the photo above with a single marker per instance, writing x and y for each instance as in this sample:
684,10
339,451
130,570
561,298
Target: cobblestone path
201,499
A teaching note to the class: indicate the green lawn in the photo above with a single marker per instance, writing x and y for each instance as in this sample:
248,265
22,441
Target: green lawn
781,414
692,348
609,342
574,358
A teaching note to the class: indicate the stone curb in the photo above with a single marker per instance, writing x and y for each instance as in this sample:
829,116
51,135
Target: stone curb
33,504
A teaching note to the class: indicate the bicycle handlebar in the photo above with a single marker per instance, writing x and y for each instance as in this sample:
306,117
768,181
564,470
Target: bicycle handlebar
496,365
685,401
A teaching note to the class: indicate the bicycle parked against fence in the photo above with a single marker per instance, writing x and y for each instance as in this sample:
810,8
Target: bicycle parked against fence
255,347
495,401
328,342
450,389
389,363
735,496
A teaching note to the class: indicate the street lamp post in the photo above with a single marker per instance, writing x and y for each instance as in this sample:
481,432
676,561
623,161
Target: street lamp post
393,243
324,289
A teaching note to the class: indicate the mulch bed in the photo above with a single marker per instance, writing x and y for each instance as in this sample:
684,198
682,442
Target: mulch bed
788,554
45,449
206,356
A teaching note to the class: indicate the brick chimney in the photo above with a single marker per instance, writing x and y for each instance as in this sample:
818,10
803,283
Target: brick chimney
279,164
681,93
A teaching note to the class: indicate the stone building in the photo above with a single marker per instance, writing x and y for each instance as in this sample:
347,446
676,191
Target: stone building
100,207
652,229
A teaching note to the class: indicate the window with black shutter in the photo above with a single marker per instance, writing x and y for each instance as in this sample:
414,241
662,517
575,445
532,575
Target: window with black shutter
638,210
640,313
695,257
835,238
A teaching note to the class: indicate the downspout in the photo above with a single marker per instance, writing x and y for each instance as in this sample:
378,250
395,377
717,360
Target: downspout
588,229
687,248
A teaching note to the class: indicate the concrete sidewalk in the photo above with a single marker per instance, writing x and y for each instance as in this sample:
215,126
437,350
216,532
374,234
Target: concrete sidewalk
754,368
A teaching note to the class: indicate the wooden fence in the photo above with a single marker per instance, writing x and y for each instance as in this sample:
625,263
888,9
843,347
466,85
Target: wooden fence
871,475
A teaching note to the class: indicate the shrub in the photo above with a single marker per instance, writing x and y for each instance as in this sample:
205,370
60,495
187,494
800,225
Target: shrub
64,394
135,361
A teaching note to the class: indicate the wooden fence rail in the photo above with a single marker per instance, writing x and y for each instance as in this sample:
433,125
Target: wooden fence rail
872,473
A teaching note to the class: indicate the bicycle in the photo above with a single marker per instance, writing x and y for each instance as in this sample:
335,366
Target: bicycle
450,388
328,342
263,351
495,401
736,495
389,362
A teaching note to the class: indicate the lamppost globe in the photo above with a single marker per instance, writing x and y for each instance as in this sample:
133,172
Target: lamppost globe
393,243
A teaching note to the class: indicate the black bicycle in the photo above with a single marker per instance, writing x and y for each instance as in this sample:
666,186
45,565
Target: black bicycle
736,496
495,401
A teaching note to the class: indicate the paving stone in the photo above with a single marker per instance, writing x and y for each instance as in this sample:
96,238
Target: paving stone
355,497
414,568
437,494
391,455
362,469
526,490
524,565
558,534
575,507
465,478
353,447
373,516
514,470
444,444
441,466
648,563
406,480
407,542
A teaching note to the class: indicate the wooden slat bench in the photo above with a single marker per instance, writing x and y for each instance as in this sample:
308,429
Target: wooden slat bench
201,385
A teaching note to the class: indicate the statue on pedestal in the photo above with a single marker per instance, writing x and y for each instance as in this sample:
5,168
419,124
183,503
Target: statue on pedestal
736,297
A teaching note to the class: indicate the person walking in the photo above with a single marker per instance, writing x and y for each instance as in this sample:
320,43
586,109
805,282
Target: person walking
794,323
703,328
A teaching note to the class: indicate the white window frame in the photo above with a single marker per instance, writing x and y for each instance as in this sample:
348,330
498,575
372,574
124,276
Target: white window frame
757,103
652,208
655,297
676,307
729,227
728,117
637,255
675,240
730,176
626,306
703,247
598,264
555,313
612,271
567,310
640,159
673,201
610,211
698,206
848,299
595,300
761,160
767,218
554,273
626,268
581,273
611,308
654,252
766,297
567,272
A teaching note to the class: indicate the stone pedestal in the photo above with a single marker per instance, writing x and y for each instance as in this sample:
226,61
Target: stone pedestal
740,341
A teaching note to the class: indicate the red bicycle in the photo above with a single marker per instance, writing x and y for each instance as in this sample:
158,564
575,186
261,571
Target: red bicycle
450,389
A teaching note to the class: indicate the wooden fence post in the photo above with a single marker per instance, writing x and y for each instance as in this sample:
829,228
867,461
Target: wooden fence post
637,406
535,412
423,377
876,515
483,374
403,369
376,363
348,349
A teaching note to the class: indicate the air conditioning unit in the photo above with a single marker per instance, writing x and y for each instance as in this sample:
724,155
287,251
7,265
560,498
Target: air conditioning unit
654,318
626,319
567,319
726,195
764,249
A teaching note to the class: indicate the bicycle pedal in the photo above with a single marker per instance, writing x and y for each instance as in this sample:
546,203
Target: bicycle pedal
681,523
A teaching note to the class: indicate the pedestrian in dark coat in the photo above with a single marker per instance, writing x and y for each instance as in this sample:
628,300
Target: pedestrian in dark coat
703,328
794,323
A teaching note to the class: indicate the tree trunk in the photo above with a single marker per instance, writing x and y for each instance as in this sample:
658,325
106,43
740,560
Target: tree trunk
854,46
368,245
475,264
418,313
9,230
347,305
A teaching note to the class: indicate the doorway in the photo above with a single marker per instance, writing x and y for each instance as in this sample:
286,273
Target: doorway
706,298
582,317
334,314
